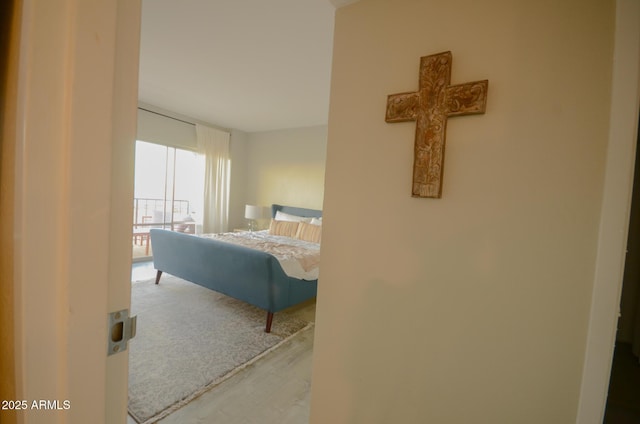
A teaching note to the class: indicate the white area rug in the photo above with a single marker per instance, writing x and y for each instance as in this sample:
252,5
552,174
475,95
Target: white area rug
189,339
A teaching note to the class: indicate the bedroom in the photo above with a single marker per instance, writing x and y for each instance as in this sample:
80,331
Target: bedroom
351,228
544,378
283,166
277,146
251,167
257,71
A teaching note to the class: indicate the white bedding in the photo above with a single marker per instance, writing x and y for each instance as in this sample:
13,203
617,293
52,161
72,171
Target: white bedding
298,258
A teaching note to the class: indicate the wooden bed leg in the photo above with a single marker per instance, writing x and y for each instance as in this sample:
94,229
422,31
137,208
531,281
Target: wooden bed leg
158,275
269,321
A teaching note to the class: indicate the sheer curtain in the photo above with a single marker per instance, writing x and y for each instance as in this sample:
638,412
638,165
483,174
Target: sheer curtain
214,145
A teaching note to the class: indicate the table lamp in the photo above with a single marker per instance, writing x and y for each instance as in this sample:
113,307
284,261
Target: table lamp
252,213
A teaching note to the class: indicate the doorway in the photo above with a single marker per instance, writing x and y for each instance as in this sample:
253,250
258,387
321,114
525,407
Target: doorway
623,401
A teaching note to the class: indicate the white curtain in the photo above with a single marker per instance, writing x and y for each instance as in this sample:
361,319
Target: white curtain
214,145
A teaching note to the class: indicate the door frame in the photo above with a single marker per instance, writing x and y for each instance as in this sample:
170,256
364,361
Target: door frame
614,218
73,123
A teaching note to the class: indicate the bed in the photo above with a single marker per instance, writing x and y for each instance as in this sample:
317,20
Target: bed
244,273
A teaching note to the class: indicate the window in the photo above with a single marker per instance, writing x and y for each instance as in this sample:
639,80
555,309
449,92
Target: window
168,193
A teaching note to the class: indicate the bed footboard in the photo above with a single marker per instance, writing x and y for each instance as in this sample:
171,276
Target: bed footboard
245,274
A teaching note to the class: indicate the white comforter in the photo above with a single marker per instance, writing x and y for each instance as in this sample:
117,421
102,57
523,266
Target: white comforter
298,258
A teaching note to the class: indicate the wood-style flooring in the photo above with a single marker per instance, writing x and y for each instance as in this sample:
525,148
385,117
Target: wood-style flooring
274,390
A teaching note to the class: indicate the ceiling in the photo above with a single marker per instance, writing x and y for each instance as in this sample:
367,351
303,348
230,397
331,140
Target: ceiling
252,65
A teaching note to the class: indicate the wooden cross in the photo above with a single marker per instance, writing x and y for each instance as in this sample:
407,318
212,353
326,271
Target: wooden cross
430,106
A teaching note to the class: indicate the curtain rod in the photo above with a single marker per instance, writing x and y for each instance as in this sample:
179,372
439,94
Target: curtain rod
167,116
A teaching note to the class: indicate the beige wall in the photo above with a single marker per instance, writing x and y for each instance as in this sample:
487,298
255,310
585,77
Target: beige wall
474,307
282,166
287,167
238,189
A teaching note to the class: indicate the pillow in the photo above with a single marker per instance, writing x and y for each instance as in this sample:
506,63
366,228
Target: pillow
309,232
283,228
316,221
282,216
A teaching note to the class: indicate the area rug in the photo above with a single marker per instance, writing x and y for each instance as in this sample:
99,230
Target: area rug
189,340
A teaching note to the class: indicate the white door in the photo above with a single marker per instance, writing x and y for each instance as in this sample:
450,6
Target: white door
75,122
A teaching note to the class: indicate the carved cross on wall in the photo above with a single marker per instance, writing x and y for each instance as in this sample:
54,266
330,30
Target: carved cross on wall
430,107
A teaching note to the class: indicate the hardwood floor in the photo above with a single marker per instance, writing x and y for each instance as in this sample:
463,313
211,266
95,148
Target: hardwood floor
273,390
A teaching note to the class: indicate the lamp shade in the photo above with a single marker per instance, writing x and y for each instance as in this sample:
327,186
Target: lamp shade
252,212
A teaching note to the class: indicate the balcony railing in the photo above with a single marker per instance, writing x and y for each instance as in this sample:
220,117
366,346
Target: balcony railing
159,213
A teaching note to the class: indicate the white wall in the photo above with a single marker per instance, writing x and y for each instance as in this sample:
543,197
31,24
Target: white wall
287,167
473,307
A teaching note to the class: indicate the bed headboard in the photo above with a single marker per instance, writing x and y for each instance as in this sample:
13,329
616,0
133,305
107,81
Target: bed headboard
309,213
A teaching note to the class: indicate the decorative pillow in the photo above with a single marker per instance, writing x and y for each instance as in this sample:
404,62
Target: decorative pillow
316,221
283,228
282,216
309,232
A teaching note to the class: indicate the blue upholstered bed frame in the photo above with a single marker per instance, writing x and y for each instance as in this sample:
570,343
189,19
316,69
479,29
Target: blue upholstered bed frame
245,274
